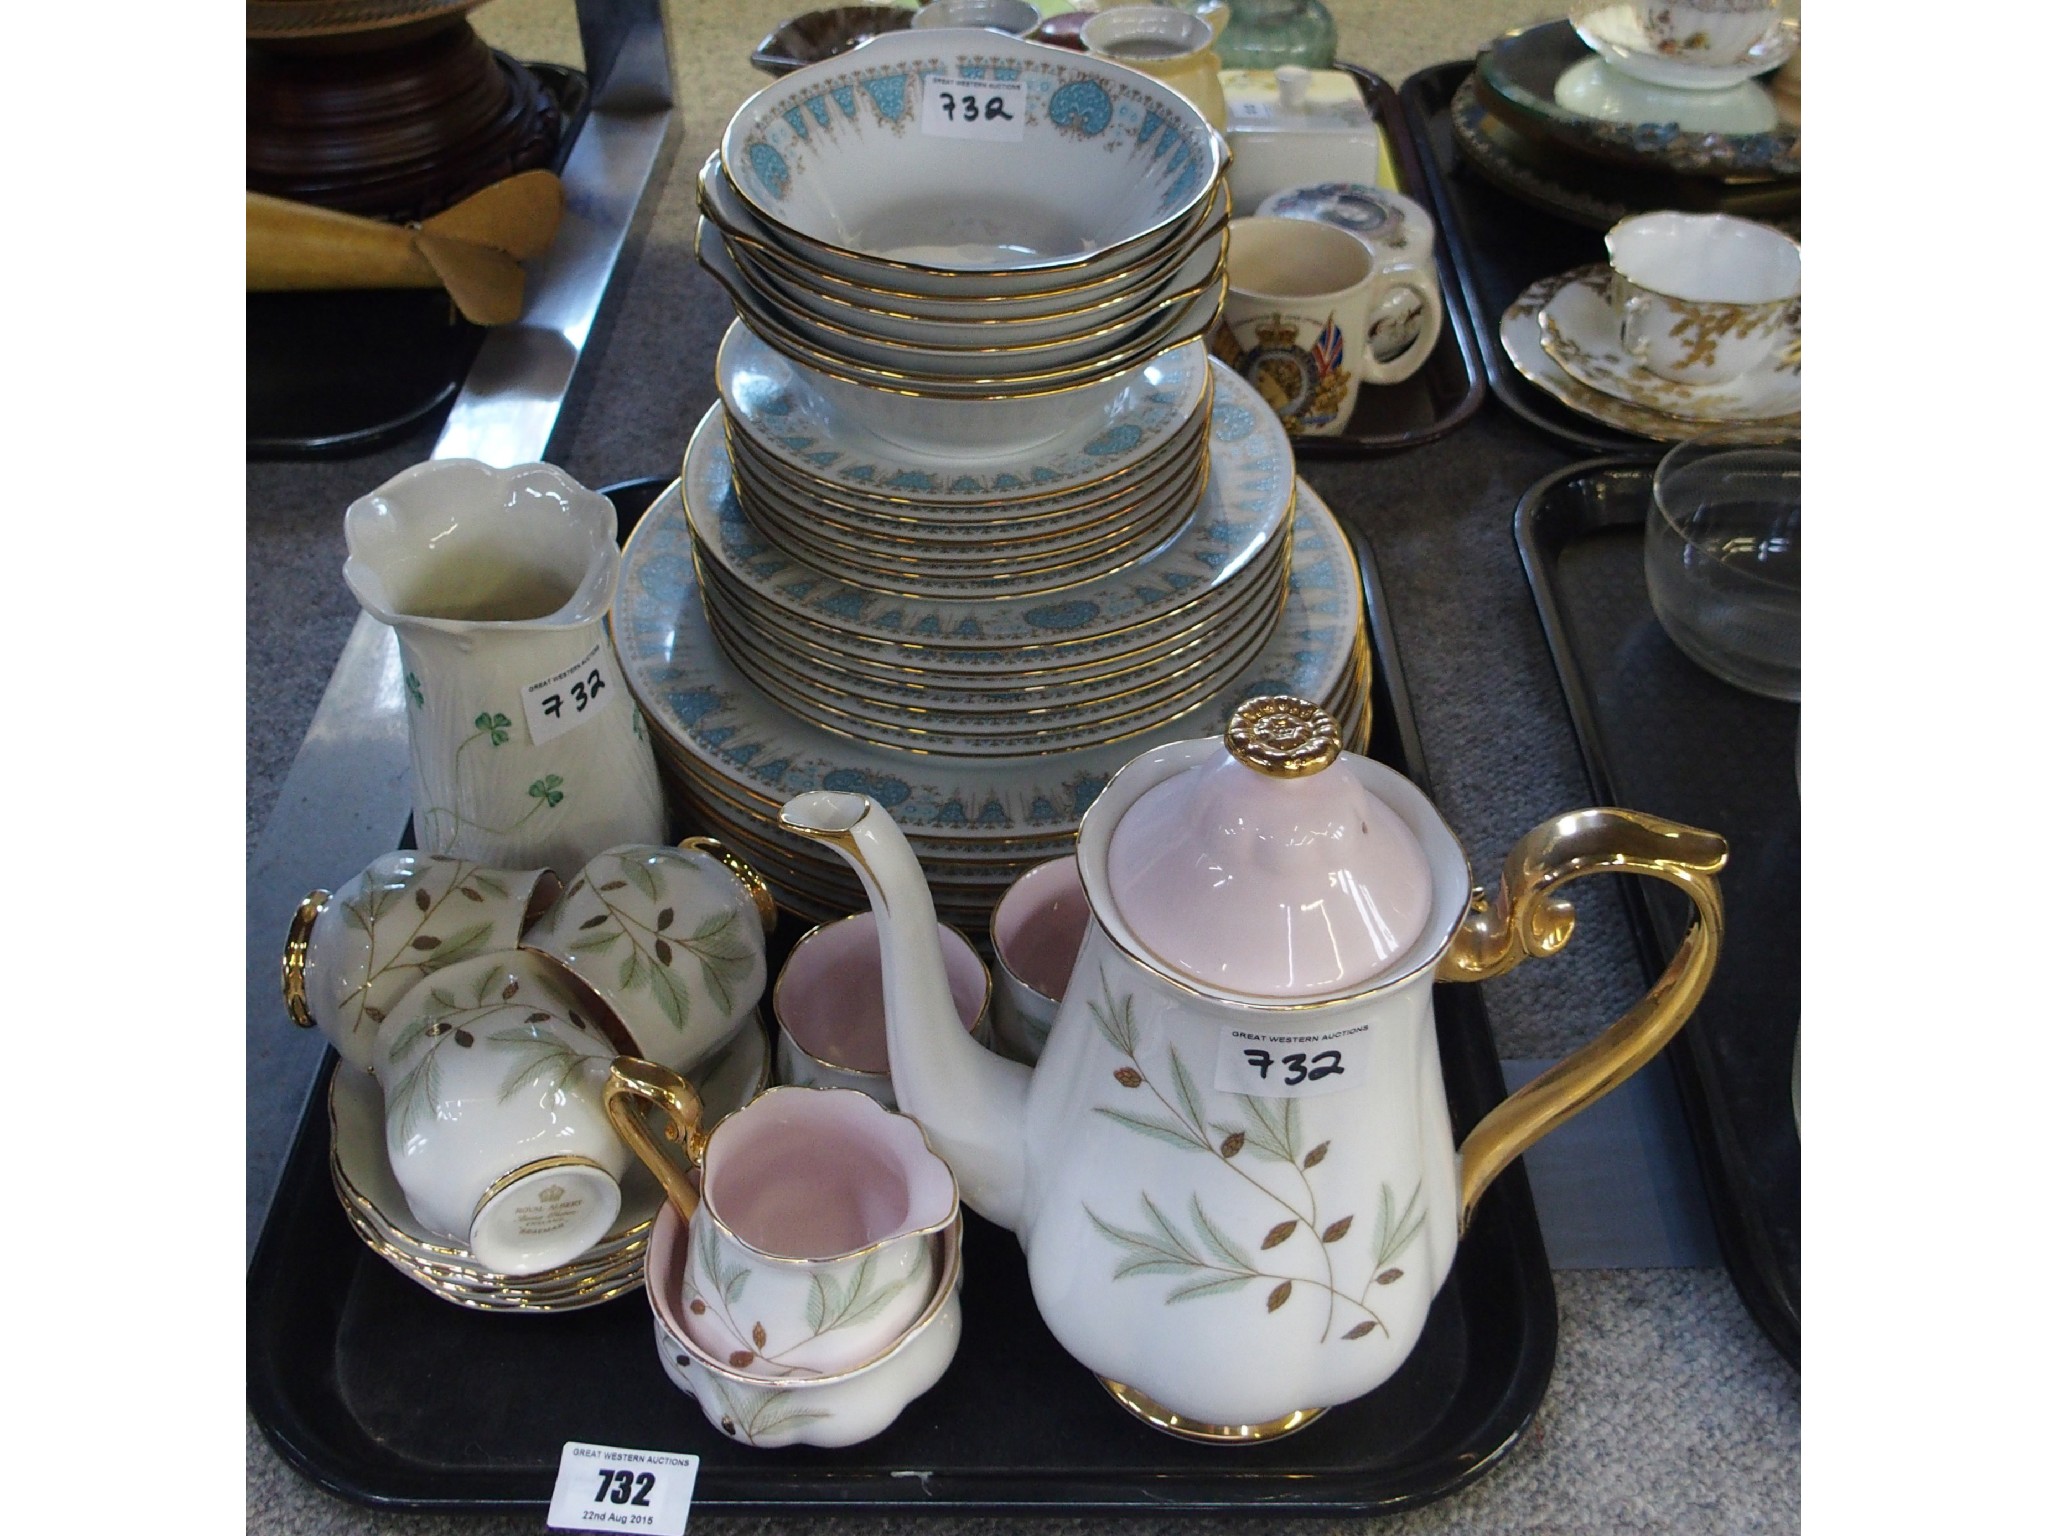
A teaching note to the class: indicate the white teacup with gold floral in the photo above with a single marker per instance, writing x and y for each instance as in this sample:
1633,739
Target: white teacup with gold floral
1715,33
1701,298
353,953
674,941
1298,321
493,1072
813,1245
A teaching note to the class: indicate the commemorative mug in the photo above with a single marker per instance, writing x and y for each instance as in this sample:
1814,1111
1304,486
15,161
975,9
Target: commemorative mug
1304,298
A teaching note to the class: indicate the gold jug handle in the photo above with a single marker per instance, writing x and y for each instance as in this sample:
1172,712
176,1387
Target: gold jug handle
633,1088
1528,917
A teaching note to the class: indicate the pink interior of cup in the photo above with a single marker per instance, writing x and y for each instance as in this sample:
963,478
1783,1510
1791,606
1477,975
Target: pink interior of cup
829,996
1039,924
813,1174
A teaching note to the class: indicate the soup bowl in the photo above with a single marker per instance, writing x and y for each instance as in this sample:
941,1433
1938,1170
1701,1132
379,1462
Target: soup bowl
1067,163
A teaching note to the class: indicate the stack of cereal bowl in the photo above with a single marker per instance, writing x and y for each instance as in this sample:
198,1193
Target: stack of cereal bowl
975,519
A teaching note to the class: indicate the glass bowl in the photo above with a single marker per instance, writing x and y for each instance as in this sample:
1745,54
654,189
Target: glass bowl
1721,556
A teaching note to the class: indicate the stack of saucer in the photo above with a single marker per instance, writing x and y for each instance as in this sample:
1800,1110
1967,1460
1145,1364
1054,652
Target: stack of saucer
1563,336
998,674
873,487
615,1265
960,215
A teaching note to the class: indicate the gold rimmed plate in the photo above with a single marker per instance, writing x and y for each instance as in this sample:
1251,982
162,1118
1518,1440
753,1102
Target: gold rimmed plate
710,719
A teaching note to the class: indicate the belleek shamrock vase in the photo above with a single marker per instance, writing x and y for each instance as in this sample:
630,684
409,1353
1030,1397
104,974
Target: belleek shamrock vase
527,750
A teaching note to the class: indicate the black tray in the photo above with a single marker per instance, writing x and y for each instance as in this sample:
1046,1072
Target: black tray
1659,734
343,372
1499,245
379,1392
1449,388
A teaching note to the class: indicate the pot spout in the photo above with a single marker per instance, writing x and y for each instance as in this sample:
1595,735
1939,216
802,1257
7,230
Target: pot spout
970,1101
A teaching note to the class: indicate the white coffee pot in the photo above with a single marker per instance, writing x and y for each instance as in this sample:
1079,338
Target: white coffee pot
1232,1169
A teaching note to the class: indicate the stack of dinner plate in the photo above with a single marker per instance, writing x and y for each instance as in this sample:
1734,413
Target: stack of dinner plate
956,214
732,753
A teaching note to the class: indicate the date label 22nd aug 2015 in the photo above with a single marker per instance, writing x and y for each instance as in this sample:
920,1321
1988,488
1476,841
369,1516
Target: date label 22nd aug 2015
607,1488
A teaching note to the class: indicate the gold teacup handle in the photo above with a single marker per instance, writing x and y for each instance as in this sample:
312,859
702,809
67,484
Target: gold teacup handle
1528,918
633,1088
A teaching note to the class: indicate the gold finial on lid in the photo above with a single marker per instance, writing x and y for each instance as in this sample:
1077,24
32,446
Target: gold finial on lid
1284,736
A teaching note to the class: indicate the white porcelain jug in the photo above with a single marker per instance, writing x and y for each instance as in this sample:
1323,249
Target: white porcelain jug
1232,1169
527,750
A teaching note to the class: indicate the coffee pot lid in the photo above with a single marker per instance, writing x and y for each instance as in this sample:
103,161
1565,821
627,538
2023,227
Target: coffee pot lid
1269,870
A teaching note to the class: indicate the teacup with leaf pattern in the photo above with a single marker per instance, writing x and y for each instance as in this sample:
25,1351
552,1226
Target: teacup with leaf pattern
493,1072
841,1409
672,939
354,952
813,1244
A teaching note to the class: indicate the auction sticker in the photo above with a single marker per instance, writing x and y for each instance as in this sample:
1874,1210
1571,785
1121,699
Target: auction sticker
604,1488
1289,1066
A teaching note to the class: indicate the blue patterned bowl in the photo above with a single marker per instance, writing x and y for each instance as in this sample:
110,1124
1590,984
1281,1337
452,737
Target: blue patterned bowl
1072,166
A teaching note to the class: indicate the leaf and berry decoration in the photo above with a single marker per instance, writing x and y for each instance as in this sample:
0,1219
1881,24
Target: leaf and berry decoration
1264,1136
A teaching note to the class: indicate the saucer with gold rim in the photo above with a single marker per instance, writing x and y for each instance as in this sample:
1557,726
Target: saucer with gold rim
370,1196
1583,337
1521,337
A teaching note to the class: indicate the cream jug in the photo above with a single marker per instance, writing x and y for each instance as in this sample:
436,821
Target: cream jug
527,750
1232,1169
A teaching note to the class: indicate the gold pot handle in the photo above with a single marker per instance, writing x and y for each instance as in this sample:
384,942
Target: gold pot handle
1528,917
633,1088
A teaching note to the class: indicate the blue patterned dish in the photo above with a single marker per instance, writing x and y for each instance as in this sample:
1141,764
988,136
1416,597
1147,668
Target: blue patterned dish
822,430
990,374
708,717
943,529
1251,481
847,159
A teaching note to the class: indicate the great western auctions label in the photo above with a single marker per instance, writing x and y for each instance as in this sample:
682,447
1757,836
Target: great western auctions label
567,698
1290,1066
603,1488
973,109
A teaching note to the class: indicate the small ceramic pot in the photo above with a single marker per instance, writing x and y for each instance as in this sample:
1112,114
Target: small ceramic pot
812,1247
494,1119
840,1409
1169,45
832,1030
1037,930
674,941
353,953
1701,298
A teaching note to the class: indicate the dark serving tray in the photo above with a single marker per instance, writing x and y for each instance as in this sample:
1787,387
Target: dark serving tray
1499,245
340,372
1449,388
379,1392
1660,734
